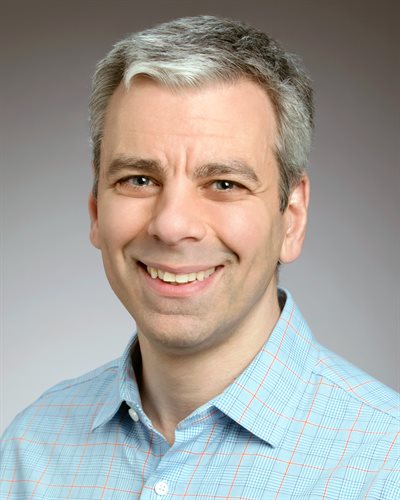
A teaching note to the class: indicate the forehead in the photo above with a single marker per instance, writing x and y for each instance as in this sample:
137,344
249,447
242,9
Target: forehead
227,118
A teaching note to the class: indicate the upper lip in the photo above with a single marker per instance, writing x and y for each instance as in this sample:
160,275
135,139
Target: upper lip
195,268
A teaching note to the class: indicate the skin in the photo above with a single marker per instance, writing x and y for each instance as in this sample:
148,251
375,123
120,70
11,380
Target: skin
188,181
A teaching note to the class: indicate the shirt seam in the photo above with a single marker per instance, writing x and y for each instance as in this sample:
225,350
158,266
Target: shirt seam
76,381
358,398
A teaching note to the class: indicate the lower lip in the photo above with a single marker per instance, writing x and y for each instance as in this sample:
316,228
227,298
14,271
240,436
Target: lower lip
182,290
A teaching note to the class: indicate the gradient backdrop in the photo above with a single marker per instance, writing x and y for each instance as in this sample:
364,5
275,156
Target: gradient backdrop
59,316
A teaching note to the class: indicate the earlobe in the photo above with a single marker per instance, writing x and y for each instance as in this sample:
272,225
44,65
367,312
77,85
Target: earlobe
94,226
295,221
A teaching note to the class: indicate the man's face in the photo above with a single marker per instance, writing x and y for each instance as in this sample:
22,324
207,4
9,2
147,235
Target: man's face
187,215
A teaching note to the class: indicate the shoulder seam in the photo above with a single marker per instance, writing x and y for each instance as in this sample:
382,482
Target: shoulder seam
66,384
356,396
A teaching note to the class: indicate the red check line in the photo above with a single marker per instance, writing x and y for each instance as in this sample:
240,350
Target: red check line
337,466
287,367
383,464
206,417
66,405
113,457
311,342
200,459
148,453
268,370
79,445
12,482
52,450
350,389
85,445
290,463
239,465
310,423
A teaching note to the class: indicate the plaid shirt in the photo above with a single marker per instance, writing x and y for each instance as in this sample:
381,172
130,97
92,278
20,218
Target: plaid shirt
298,423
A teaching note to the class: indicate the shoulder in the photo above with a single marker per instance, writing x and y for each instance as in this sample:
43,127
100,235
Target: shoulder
57,424
337,387
84,392
97,378
356,385
360,418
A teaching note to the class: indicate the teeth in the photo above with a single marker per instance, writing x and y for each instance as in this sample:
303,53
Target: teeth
182,278
209,272
179,278
201,275
169,277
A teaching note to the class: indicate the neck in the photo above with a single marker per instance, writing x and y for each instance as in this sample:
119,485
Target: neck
173,386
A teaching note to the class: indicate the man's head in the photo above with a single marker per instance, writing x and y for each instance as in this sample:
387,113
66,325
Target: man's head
193,206
194,52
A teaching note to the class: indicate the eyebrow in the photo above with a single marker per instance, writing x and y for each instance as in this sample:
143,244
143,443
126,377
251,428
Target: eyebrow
153,167
134,163
232,167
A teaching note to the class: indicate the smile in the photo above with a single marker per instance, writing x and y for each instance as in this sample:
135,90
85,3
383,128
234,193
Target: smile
179,279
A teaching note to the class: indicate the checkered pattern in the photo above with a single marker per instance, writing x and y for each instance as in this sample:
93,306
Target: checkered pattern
299,423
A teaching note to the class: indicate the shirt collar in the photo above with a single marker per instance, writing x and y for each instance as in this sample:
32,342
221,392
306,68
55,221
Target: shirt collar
123,387
263,398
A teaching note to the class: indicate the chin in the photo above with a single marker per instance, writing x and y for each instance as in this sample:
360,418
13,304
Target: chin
177,335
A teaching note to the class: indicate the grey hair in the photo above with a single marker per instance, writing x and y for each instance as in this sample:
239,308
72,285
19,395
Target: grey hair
196,51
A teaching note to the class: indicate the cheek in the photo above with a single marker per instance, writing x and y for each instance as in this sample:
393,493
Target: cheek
120,221
246,228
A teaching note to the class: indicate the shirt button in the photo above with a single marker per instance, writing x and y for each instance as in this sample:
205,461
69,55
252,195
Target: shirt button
161,488
134,416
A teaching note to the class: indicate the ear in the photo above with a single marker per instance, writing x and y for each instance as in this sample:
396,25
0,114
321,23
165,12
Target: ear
295,217
94,224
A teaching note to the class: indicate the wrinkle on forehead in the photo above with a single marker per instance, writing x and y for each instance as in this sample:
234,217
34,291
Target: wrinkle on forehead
189,127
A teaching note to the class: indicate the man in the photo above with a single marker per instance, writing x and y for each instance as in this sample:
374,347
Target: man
201,130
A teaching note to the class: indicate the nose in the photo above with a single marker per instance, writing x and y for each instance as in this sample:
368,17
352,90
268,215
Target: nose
177,216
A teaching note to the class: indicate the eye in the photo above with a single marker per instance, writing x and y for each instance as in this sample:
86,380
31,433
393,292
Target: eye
225,190
225,185
137,186
137,180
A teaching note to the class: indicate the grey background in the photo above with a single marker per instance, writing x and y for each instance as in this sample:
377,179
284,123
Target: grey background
59,316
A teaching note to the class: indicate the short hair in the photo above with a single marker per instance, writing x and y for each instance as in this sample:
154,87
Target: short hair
196,51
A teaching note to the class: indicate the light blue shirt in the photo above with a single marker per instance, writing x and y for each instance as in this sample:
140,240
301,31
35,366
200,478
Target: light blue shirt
298,423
